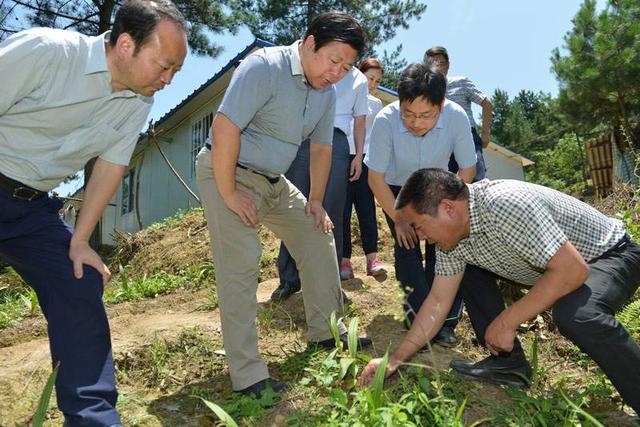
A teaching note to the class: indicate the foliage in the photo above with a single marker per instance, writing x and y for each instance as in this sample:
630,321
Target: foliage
630,318
92,18
282,22
127,289
530,125
598,75
393,64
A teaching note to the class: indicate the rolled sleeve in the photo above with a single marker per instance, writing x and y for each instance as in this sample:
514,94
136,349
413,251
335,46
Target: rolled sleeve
474,94
463,146
380,146
361,105
249,90
448,264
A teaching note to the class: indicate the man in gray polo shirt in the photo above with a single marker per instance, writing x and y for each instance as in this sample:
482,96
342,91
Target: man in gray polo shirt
581,264
419,130
66,98
277,98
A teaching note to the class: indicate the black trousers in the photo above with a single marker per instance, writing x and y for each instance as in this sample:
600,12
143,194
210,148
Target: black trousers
586,316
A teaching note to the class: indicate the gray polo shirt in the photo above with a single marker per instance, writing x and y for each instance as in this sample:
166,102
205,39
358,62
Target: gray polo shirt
517,227
396,152
57,110
270,101
463,92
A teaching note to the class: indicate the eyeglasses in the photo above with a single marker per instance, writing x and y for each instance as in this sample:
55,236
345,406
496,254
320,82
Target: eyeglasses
413,117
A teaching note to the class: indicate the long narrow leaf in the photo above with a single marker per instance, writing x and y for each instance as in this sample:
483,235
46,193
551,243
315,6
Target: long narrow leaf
581,411
43,405
378,381
352,338
221,413
333,327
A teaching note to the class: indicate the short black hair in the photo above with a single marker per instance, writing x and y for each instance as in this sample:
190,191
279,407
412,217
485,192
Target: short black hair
421,80
337,27
139,19
426,188
436,50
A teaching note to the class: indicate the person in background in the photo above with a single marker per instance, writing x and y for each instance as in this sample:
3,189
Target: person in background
421,129
463,92
359,193
348,137
277,98
66,98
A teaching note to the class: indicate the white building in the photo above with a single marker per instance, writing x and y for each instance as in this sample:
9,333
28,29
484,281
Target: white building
151,192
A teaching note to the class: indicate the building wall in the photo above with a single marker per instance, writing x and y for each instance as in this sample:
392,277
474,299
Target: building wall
159,193
502,167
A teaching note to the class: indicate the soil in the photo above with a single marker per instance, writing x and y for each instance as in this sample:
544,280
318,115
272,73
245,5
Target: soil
24,349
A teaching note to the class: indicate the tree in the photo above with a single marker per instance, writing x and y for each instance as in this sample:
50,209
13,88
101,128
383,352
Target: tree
96,17
283,21
599,74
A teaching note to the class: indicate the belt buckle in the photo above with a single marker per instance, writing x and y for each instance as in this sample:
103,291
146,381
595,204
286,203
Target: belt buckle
32,193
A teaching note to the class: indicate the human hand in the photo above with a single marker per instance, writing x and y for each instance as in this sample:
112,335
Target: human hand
321,219
243,205
405,233
80,253
485,141
356,168
369,372
499,337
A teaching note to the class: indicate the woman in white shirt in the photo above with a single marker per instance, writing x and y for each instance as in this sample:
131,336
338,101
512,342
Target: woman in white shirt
359,194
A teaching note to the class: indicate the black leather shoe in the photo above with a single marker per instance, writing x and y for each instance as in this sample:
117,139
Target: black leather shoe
331,343
284,291
445,338
257,389
512,370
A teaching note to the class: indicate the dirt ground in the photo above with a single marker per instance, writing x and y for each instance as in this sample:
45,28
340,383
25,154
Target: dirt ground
137,327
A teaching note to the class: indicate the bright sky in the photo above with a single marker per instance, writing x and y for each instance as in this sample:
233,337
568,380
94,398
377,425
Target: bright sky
497,43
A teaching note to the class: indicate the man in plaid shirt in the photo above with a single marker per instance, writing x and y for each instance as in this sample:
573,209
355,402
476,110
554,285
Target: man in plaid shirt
577,261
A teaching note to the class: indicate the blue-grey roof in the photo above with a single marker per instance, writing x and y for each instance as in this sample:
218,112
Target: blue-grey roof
257,43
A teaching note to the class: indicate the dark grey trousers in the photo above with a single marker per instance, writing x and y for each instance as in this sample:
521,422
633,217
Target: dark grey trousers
334,196
586,316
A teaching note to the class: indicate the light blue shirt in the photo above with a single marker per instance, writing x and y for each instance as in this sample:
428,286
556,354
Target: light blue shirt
57,108
397,153
276,109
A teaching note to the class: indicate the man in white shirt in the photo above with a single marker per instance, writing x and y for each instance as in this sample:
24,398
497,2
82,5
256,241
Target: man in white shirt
66,98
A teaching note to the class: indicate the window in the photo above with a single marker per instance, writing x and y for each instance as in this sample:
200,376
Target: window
127,192
199,133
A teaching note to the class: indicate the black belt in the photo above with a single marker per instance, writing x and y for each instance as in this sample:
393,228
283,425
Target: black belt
19,191
272,180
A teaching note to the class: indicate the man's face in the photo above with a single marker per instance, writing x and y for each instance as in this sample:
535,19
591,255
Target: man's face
327,65
445,230
419,116
153,66
441,62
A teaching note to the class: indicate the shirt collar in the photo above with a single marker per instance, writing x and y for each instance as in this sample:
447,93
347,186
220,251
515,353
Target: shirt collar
296,63
97,56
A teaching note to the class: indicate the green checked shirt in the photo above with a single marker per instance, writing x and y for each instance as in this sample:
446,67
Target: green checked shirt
517,227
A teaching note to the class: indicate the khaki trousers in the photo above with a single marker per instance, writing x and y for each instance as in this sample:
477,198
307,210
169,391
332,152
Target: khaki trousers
236,255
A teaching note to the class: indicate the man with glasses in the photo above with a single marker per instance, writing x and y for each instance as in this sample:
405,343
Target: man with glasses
420,130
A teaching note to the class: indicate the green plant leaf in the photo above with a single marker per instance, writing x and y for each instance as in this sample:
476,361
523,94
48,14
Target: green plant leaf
43,404
220,413
352,338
